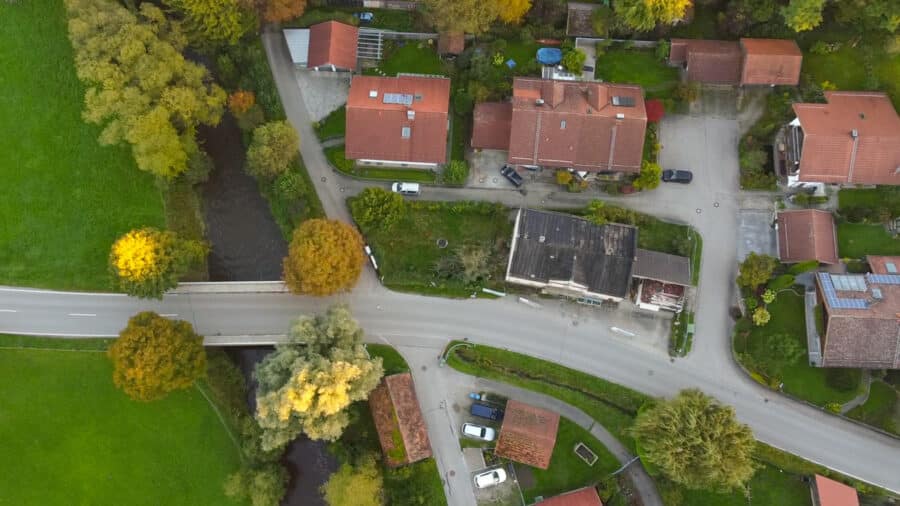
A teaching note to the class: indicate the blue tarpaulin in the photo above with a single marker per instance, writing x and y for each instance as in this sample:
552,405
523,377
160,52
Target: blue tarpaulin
549,55
511,63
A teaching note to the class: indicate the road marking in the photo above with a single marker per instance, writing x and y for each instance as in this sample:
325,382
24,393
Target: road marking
8,311
168,315
82,314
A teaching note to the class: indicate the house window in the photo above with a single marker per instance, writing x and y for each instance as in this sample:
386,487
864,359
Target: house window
562,125
404,132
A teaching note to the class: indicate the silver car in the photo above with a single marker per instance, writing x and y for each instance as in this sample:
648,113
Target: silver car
478,432
490,478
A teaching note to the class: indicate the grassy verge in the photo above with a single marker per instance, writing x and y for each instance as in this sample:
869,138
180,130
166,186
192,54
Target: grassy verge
856,240
67,449
755,349
880,409
54,343
680,341
333,126
391,359
638,66
184,216
66,198
410,258
567,471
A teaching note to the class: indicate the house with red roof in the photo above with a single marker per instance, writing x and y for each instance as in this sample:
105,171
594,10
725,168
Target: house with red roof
324,46
853,138
398,121
806,234
528,434
827,492
744,63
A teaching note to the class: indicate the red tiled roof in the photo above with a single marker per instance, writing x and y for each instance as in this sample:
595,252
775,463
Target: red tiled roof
832,493
374,128
491,124
528,434
395,408
332,43
708,61
807,234
586,496
575,124
831,154
451,42
883,264
771,61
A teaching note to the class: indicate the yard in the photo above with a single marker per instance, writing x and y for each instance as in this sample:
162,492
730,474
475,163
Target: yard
881,409
65,197
333,126
408,56
854,67
637,66
756,351
71,437
567,471
409,255
856,240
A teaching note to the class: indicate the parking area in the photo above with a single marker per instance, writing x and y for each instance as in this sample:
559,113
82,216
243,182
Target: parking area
323,92
755,233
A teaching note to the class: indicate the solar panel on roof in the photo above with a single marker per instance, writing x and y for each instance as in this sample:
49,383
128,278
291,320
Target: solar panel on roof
849,283
884,279
828,290
623,101
398,98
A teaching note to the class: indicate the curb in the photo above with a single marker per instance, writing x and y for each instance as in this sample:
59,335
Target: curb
231,287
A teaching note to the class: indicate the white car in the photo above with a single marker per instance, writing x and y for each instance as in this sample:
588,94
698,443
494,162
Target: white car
405,188
490,478
478,432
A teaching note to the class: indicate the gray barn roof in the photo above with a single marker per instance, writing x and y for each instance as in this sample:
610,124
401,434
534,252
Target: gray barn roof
663,267
555,246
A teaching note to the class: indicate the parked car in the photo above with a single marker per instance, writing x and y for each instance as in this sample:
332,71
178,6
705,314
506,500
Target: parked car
587,68
485,411
364,17
509,172
478,432
677,176
490,478
405,188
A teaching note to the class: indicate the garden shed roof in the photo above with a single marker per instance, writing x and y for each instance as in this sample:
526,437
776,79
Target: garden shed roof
586,496
833,493
451,42
395,408
807,234
528,434
771,61
708,61
672,269
333,43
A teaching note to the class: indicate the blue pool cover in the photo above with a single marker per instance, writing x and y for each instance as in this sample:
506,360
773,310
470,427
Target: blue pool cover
549,55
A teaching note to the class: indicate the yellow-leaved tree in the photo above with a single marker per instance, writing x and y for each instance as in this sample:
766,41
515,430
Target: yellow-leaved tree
324,257
306,385
511,11
644,15
146,262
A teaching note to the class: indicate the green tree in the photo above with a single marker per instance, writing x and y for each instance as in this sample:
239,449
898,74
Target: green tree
756,270
306,385
361,485
469,16
601,19
154,356
139,86
214,21
870,14
273,149
573,60
324,257
147,262
456,172
644,15
263,486
803,15
377,208
276,11
785,350
649,177
761,316
696,442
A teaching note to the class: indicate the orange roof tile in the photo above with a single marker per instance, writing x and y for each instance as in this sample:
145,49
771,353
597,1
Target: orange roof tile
807,234
586,496
491,124
395,408
528,434
771,61
832,493
708,61
332,43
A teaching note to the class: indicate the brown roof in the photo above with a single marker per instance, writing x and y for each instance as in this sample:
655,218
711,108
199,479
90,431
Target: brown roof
862,326
528,434
807,234
708,61
332,43
830,152
395,409
451,42
577,124
771,61
663,267
586,496
375,127
833,493
883,265
491,124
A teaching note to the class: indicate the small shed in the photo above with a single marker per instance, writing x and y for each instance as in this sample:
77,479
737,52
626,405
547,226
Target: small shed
451,43
528,434
398,420
298,45
827,492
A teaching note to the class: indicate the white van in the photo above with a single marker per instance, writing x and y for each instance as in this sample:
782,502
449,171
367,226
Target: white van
405,188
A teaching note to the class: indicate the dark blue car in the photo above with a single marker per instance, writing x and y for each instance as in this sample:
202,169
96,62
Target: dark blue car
485,411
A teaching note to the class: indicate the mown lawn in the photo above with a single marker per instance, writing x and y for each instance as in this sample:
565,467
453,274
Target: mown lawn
871,198
880,409
567,471
65,197
334,125
392,361
799,378
408,252
769,486
845,69
70,437
856,240
413,57
637,66
335,155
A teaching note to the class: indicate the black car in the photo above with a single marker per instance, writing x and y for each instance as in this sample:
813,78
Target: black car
587,68
509,172
677,176
485,411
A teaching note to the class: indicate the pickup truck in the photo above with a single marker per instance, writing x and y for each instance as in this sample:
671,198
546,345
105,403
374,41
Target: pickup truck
509,172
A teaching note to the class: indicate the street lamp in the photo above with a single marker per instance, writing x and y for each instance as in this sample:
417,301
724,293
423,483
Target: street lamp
443,359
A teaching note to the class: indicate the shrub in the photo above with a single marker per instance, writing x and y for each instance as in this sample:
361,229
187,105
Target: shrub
456,172
768,296
573,60
687,92
649,177
290,186
273,149
781,282
751,303
761,316
841,379
834,407
337,158
662,50
563,177
376,207
801,267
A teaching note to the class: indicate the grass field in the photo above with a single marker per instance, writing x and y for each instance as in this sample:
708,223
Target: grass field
65,197
392,361
415,57
856,240
637,66
71,437
881,409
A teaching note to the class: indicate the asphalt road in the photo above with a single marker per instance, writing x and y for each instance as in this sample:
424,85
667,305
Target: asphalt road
710,204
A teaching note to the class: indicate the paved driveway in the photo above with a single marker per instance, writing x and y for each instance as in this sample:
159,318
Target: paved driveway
323,92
